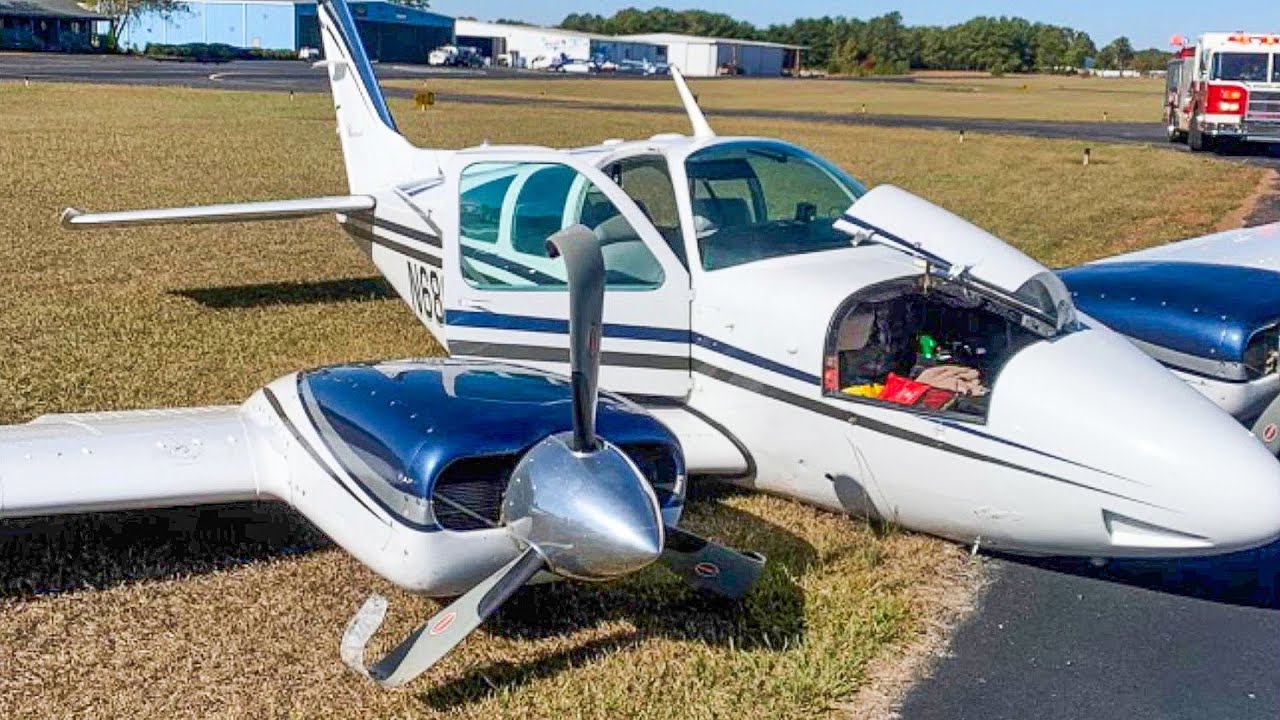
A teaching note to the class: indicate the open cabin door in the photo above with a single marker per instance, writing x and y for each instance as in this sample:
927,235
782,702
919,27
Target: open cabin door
505,298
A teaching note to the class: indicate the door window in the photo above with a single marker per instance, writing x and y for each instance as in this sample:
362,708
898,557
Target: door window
508,210
647,181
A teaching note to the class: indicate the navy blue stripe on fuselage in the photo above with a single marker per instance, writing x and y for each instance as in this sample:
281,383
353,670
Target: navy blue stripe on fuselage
751,358
558,326
974,431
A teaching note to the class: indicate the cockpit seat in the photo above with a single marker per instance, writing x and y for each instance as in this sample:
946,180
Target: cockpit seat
626,259
723,212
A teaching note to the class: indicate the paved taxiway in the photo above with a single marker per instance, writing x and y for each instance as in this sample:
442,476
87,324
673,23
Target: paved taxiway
285,76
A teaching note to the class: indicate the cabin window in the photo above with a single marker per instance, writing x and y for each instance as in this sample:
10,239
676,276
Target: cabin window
754,200
508,210
481,210
647,181
927,347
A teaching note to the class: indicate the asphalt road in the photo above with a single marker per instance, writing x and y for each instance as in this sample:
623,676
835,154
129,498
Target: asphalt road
1060,639
1135,640
286,76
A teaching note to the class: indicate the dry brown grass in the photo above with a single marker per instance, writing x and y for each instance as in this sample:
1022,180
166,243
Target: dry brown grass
215,612
1023,97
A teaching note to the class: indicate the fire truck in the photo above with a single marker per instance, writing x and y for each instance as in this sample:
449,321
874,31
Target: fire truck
1224,89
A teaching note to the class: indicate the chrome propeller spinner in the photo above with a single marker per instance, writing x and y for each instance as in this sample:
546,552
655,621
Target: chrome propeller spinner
577,504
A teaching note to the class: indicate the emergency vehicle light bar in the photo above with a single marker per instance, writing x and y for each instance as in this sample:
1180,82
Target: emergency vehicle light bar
1244,39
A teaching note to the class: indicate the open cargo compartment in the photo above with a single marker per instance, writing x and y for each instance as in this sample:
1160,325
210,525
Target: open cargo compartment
924,345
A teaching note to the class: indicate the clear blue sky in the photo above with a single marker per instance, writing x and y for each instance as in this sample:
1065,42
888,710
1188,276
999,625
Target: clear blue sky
1148,23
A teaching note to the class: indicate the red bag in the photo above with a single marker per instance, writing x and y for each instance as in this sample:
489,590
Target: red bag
901,390
938,399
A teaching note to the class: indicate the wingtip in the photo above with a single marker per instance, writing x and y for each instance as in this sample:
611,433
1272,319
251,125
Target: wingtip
69,215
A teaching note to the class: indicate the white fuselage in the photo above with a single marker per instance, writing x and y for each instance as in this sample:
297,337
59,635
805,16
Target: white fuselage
1089,447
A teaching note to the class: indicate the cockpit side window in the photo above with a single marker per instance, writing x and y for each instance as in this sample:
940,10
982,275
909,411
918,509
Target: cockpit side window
647,180
754,200
509,209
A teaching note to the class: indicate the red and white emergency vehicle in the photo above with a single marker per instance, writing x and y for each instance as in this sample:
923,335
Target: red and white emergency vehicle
1225,88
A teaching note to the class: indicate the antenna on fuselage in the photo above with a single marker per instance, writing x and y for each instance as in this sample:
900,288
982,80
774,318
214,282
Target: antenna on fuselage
701,128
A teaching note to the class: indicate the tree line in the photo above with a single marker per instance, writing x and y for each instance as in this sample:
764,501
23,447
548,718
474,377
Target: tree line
884,45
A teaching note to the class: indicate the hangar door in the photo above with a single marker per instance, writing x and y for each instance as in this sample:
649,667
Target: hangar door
383,41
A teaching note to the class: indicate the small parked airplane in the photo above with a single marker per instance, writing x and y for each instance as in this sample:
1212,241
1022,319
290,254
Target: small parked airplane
861,350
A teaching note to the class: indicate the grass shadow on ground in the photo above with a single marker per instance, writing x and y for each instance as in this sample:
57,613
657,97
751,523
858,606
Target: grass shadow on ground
1250,578
234,297
100,550
655,604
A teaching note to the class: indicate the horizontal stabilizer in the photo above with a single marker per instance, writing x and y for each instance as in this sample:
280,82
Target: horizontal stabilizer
232,212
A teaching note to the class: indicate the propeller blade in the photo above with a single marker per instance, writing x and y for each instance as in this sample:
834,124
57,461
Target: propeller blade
584,264
425,646
709,566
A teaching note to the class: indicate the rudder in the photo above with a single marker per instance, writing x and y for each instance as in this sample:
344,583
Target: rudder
375,153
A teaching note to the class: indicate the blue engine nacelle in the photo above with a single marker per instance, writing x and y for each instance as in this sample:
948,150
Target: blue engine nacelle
1215,322
435,441
1212,320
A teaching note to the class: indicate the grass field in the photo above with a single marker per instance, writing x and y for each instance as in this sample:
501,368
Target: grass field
1023,97
236,613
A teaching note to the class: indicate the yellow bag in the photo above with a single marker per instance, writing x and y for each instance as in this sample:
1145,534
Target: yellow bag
871,390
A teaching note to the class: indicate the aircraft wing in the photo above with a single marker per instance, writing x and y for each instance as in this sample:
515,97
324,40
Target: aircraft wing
1257,247
123,460
232,212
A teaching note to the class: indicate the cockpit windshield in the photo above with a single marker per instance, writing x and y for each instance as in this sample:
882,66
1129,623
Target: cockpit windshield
1240,67
758,199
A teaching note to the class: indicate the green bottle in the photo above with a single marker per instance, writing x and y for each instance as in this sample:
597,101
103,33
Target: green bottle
928,347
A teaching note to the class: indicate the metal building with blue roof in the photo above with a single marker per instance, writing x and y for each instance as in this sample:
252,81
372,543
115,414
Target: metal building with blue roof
391,32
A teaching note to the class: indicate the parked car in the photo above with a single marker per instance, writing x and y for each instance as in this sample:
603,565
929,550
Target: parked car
547,62
454,56
577,67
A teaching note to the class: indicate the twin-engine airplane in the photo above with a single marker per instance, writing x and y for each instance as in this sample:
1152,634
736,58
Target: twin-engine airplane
861,350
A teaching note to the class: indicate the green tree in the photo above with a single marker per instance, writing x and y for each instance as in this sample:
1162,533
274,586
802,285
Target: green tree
1051,45
1080,49
124,12
1151,59
879,45
1117,55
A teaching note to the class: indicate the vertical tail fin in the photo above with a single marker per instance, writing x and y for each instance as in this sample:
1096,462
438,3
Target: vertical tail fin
701,128
375,153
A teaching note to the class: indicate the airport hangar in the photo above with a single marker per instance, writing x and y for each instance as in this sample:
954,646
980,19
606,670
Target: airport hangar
391,32
695,56
396,33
